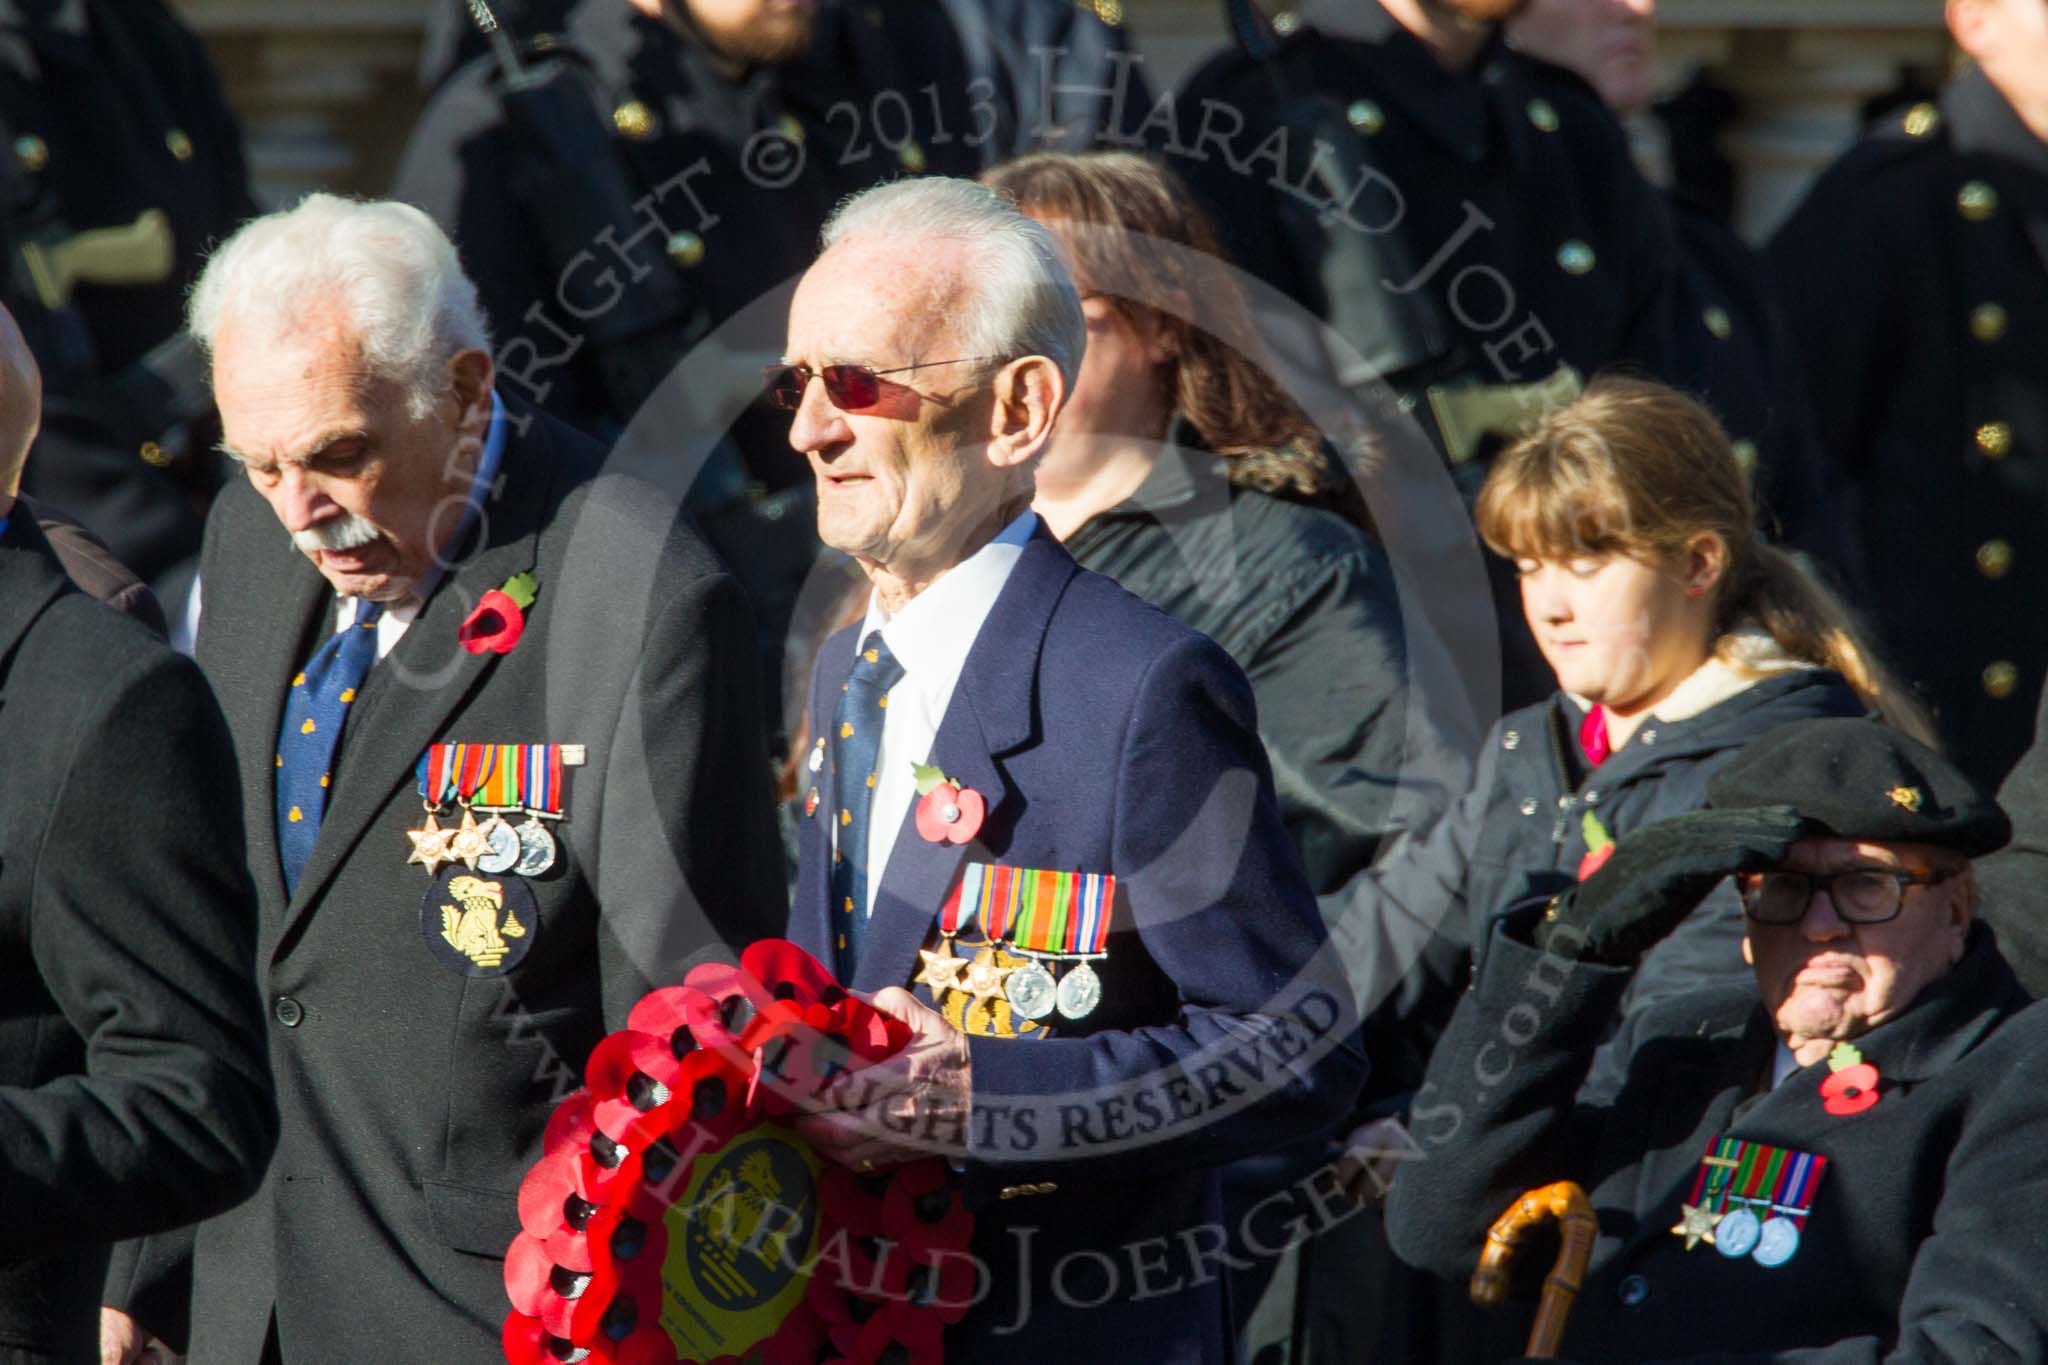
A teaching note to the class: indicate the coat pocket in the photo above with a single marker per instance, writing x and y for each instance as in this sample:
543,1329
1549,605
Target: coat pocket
480,1222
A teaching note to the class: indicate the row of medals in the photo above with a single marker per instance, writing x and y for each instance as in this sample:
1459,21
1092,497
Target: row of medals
493,847
1030,988
1770,1241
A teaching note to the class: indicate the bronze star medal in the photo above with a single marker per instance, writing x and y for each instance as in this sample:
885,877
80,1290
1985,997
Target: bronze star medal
1698,1225
429,845
941,970
469,841
985,975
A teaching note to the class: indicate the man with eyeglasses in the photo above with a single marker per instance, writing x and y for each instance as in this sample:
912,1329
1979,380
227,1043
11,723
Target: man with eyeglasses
1039,804
1845,1166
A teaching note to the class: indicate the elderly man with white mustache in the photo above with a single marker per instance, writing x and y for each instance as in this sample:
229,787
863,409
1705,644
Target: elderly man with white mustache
500,769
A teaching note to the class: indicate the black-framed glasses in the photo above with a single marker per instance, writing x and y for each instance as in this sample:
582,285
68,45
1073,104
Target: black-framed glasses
1860,895
851,388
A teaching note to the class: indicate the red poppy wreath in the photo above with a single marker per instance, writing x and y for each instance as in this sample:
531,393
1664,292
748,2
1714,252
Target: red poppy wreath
675,1217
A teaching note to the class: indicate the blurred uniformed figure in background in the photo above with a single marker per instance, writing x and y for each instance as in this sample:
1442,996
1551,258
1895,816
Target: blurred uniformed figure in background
628,177
119,164
1915,276
1735,348
1464,216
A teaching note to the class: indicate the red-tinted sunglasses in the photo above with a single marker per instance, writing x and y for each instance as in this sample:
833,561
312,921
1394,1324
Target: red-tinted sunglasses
850,387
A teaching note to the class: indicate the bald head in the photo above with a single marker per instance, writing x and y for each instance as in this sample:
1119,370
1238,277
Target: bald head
21,403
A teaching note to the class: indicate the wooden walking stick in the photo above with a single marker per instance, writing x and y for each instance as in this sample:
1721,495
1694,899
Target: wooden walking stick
1567,1203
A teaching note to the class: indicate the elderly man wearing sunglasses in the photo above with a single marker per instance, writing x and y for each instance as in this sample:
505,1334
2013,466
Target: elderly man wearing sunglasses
1039,824
1849,1168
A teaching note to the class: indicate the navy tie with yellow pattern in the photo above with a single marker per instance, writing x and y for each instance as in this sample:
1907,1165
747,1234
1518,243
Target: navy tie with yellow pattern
856,747
315,710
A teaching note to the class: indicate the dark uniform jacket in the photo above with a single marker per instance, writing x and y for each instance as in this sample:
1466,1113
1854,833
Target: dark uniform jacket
1490,245
1925,1239
1417,927
1105,737
1305,603
1738,356
1915,276
2014,880
133,1091
111,109
414,1085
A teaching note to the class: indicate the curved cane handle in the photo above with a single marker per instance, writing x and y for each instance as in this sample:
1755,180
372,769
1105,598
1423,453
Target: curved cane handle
1567,1203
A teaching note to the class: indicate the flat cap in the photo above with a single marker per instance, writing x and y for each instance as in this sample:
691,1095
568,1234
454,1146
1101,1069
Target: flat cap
1861,779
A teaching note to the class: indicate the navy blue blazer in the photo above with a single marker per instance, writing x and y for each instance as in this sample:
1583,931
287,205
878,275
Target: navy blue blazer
1107,737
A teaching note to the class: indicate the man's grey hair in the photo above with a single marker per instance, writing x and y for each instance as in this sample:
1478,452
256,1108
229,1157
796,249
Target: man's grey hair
1023,302
389,267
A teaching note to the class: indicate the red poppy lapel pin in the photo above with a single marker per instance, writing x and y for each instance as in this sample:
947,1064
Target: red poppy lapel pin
500,617
947,813
1851,1086
1599,846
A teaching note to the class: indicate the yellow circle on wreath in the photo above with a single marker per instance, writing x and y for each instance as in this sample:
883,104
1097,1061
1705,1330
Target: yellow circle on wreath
741,1242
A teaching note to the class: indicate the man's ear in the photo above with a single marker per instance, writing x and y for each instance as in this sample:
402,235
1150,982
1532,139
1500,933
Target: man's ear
470,376
1969,22
1029,393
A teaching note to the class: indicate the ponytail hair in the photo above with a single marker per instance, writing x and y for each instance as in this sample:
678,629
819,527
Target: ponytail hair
1636,468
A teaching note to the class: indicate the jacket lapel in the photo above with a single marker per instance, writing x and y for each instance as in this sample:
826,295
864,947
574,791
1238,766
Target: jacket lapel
415,689
993,712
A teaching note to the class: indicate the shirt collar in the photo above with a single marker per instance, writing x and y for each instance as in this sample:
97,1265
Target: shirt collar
932,634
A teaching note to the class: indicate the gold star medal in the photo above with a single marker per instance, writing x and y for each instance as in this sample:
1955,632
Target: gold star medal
985,975
941,970
469,842
1698,1225
429,845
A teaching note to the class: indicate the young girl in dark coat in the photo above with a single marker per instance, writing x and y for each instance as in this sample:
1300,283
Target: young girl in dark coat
1677,636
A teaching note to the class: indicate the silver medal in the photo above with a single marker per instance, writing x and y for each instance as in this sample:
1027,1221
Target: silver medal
1080,991
817,759
504,850
536,848
1776,1242
1030,991
1736,1235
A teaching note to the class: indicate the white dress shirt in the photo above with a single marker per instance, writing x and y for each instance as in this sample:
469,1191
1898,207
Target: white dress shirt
398,616
931,637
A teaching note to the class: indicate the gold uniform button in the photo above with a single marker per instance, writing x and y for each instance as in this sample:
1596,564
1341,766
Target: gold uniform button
791,127
180,145
154,455
686,249
1994,558
1921,120
1995,440
1543,114
1576,257
1366,117
1286,23
31,152
1718,322
1744,452
1987,322
2000,678
911,156
545,42
634,119
1110,12
1976,201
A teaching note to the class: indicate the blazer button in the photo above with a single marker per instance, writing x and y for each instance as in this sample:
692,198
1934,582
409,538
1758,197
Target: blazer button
1633,1290
289,1011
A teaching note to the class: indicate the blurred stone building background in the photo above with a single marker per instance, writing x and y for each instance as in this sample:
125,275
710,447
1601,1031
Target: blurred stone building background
328,88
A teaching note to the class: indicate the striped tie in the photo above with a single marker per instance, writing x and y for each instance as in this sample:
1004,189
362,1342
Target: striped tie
856,747
314,711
